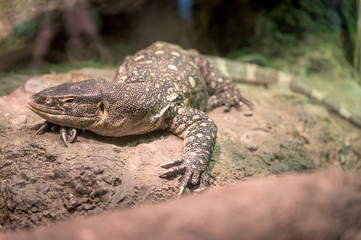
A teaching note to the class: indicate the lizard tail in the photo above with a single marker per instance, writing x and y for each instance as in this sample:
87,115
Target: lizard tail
252,73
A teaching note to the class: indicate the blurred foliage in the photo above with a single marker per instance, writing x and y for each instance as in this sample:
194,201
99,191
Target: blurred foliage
286,23
251,31
93,60
10,43
357,50
27,30
349,13
248,55
55,68
19,21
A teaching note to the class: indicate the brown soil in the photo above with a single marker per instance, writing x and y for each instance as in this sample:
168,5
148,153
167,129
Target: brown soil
325,205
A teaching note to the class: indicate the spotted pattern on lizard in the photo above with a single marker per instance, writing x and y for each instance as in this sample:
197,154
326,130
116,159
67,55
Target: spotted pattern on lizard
162,87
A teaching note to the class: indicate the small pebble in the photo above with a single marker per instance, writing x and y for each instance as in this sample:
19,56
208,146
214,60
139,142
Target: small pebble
34,218
98,170
34,209
247,113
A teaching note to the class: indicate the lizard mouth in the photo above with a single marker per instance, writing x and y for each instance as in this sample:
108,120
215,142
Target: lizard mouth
41,109
59,117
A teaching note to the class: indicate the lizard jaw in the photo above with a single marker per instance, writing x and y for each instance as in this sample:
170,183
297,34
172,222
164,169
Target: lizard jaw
47,115
60,118
41,110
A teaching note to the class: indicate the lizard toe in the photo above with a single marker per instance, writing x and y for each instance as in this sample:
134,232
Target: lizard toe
172,171
172,162
44,128
63,135
63,131
73,132
204,182
194,167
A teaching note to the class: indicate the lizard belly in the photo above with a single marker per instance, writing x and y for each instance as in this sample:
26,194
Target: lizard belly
126,128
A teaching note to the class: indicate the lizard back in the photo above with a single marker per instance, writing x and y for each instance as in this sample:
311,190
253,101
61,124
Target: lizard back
170,73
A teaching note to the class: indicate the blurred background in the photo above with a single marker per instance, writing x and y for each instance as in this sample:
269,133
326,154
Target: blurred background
313,39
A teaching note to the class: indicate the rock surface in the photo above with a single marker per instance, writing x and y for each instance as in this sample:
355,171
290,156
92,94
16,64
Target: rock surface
42,181
325,205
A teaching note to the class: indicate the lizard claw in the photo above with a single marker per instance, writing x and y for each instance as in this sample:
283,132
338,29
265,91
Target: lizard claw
64,132
229,99
204,182
63,135
44,128
247,102
172,162
172,171
181,189
73,133
195,168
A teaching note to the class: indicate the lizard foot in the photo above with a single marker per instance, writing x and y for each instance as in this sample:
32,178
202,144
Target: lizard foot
228,99
194,165
64,132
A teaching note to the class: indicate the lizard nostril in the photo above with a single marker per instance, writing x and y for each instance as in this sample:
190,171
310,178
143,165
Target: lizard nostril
48,100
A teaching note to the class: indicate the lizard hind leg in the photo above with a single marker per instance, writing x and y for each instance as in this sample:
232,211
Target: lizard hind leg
222,91
228,99
199,133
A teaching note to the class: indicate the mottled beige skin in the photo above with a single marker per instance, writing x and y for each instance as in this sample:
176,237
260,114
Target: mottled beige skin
160,87
161,77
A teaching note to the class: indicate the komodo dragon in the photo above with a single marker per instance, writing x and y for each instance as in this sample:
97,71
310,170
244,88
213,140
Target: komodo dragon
162,87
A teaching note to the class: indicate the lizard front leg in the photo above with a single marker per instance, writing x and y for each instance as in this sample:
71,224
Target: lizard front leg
63,131
199,133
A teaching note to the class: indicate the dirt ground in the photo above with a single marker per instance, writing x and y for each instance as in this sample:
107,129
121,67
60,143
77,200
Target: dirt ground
322,205
43,182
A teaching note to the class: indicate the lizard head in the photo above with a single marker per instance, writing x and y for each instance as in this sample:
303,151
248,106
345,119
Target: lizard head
78,104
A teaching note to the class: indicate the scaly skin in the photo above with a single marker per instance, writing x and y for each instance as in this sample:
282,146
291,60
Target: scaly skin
160,87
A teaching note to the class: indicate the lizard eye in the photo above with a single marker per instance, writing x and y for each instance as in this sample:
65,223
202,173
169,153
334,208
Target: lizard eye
69,100
48,100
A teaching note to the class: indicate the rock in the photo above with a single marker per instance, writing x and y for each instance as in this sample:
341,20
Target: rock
323,205
71,202
98,170
34,85
18,121
34,209
98,173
